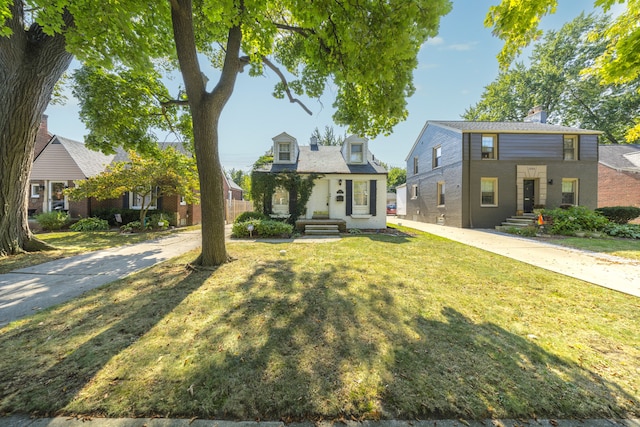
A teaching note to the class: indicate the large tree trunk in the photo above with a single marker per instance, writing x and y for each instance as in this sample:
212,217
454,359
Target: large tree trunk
206,108
30,65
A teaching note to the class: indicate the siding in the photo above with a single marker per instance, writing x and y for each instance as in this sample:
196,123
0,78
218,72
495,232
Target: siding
55,163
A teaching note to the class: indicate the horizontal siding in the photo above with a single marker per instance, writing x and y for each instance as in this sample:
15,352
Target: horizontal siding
55,163
588,147
535,146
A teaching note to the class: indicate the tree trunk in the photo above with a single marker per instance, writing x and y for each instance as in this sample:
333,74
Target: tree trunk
206,109
30,65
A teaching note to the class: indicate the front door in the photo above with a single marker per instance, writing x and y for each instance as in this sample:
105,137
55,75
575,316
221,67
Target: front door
529,194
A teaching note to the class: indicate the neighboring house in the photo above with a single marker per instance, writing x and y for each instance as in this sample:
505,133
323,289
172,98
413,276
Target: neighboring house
352,187
477,174
62,161
619,175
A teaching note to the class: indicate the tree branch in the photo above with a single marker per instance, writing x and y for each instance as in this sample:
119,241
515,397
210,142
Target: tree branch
276,70
298,30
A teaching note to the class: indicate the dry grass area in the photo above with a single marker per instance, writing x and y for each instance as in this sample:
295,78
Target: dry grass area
366,327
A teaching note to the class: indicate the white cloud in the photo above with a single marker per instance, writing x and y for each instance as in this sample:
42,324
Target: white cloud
435,41
461,46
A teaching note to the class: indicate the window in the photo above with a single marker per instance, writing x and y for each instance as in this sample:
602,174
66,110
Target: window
441,194
356,153
414,191
360,192
142,198
284,151
280,202
437,157
183,201
415,165
489,147
570,148
35,191
569,191
489,190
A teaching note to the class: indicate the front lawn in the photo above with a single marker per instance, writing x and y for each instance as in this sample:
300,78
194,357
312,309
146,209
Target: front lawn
369,326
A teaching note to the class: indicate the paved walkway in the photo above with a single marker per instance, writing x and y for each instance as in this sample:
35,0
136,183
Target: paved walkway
612,272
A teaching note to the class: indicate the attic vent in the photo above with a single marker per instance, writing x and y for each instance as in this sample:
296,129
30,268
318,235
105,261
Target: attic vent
55,141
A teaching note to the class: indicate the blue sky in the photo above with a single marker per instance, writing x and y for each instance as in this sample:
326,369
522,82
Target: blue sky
453,70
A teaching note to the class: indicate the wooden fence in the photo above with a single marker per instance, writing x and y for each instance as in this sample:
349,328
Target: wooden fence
233,208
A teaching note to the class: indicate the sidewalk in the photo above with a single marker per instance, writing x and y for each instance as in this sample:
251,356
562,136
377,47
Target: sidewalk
22,292
609,271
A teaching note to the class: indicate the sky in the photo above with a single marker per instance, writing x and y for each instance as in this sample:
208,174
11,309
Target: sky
453,70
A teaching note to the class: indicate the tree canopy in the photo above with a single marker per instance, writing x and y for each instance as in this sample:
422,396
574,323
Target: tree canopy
555,80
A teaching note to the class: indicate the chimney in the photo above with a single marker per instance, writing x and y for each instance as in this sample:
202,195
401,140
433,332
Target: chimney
42,137
314,143
536,115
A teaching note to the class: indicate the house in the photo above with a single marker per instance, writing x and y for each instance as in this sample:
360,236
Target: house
350,190
477,174
619,175
61,161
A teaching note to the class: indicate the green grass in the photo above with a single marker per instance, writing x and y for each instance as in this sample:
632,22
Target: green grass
369,326
69,243
625,248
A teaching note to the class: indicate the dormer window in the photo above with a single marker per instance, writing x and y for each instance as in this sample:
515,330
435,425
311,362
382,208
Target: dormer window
356,155
284,151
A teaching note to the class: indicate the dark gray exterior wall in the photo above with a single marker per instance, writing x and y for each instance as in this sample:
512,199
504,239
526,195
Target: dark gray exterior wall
462,169
425,207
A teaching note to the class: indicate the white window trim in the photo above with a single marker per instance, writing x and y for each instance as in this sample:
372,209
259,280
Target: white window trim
495,190
133,200
35,191
575,147
283,207
360,153
361,209
280,151
414,192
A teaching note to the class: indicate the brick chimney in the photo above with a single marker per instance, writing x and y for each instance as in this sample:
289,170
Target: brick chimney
43,137
536,115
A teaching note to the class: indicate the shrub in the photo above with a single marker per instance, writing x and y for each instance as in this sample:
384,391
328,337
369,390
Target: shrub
575,218
247,216
90,224
529,231
52,221
134,226
261,228
619,214
157,219
629,231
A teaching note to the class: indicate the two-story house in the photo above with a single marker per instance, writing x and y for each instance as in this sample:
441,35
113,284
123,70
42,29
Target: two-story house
477,174
351,187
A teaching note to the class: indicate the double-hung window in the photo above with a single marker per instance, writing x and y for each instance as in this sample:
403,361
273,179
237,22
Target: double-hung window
360,197
437,156
569,191
489,191
489,147
570,147
284,151
356,154
414,191
280,202
144,197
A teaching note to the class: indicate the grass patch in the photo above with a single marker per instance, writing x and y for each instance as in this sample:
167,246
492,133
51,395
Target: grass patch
369,326
625,248
69,243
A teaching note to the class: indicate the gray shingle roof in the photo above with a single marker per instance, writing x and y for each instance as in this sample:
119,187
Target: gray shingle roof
512,127
326,160
90,162
620,156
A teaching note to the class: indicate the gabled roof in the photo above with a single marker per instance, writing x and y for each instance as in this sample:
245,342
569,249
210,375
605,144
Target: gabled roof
90,162
66,159
326,160
510,127
622,157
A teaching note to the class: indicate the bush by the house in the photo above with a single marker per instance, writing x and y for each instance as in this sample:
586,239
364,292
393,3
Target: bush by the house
246,216
52,221
620,214
628,231
575,218
129,215
90,224
133,226
262,228
158,221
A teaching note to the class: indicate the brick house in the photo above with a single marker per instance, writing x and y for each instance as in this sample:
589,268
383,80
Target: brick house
619,175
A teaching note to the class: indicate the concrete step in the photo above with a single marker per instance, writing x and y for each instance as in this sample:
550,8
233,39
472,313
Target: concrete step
322,232
321,227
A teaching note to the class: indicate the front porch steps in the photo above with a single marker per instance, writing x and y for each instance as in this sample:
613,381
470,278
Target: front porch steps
518,221
321,229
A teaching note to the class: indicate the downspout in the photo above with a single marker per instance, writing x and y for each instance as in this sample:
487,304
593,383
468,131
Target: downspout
468,136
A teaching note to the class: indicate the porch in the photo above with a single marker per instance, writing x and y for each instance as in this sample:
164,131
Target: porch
321,226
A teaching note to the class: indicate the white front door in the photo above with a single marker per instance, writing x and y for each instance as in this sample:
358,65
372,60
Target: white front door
318,204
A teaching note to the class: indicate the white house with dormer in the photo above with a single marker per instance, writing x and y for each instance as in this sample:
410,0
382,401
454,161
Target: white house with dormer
352,187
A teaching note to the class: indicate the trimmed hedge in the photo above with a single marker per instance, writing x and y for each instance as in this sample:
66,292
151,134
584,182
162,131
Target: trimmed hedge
262,228
619,214
53,221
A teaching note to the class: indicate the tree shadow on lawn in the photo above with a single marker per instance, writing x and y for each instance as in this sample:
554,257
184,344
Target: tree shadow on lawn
41,373
309,345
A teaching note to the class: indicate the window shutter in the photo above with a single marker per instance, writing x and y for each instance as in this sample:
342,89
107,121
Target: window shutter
293,202
349,196
373,197
125,201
